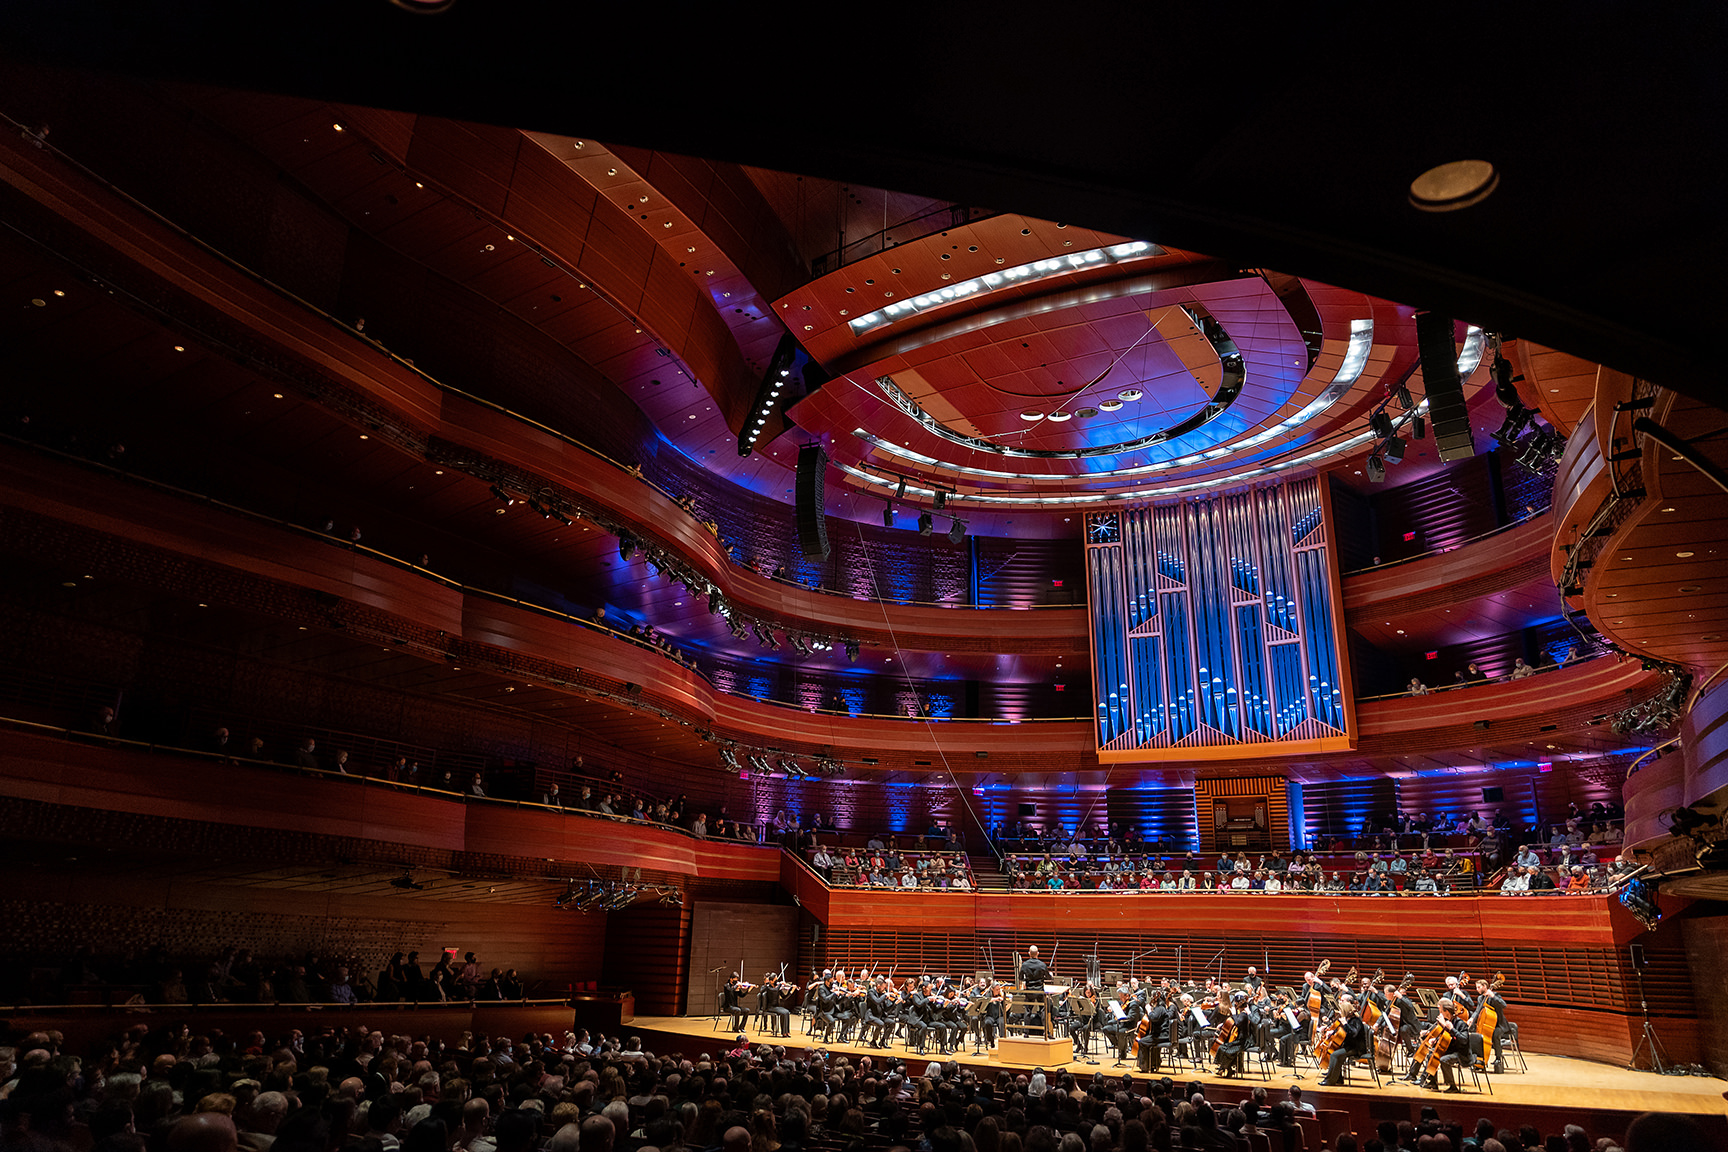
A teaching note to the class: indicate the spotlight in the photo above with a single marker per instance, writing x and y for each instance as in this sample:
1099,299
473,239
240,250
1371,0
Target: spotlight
926,522
900,490
941,501
1504,390
851,651
1402,395
716,603
1419,428
957,531
407,883
626,547
1376,470
1380,423
502,495
888,516
729,760
1517,419
1393,450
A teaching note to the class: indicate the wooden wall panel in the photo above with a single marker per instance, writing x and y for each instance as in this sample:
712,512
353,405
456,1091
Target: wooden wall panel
49,915
648,953
752,938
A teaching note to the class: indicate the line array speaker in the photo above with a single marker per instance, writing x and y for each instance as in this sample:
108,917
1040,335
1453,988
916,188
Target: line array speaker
812,524
1446,408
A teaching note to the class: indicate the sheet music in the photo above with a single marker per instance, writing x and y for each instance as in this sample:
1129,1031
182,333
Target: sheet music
1290,1018
1117,1010
1200,1020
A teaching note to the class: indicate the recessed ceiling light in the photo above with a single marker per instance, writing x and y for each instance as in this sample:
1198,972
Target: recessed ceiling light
275,395
179,347
1031,417
1449,187
1683,555
1670,508
1130,394
59,291
1060,417
1109,405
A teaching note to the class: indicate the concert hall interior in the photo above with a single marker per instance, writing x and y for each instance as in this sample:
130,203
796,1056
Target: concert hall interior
645,505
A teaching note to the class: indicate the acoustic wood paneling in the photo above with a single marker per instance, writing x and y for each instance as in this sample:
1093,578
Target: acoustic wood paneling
1456,576
748,938
648,953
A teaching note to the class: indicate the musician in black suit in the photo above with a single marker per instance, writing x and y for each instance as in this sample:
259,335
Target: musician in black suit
1253,982
732,999
1461,1045
772,1000
1409,1016
1355,1043
1034,974
1245,1025
1486,997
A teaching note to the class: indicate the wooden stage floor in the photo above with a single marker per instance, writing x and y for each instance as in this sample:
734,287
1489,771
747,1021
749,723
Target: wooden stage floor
1557,1084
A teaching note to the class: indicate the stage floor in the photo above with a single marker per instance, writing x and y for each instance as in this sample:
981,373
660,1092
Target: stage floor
1553,1082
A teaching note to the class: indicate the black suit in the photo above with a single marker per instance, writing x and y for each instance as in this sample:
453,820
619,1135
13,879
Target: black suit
779,1018
1034,974
732,999
1355,1045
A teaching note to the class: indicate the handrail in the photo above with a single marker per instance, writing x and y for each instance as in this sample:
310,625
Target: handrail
1488,535
155,1006
74,734
955,215
487,593
405,363
1436,689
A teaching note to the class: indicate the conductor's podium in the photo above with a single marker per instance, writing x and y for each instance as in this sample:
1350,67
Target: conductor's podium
1035,1051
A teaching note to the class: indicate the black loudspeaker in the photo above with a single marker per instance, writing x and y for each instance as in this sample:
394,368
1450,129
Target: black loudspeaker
1638,960
1493,795
1446,409
812,524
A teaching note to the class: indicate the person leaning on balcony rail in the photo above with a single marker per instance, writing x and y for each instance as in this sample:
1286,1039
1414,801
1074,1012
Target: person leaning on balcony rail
1415,688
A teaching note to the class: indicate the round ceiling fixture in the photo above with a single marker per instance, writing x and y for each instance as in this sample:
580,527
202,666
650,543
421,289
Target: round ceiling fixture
1086,413
1130,394
1031,417
1060,417
1109,405
1450,187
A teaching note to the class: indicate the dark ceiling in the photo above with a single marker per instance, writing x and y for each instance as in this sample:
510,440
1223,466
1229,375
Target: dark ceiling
1286,140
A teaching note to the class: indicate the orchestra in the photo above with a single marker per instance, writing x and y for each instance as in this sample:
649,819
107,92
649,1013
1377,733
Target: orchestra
1324,1023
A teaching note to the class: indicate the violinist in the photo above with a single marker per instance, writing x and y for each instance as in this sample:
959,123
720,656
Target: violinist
914,1015
732,999
994,998
1488,999
827,1003
1289,1026
1354,1044
1253,982
771,1001
878,1012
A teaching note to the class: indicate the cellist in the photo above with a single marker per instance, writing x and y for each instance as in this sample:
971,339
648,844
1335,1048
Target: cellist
1354,1044
1487,1000
1235,1032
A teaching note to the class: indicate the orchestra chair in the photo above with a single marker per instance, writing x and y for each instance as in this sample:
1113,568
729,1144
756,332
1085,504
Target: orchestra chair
1478,1070
1169,1048
1264,1049
1509,1049
760,1015
1373,1067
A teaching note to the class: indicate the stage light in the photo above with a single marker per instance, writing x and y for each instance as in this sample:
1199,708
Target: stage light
1419,428
851,651
900,489
888,516
957,531
1376,470
941,501
1380,423
926,523
1393,450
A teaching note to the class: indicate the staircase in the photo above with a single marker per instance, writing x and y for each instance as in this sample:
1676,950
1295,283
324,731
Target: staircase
985,872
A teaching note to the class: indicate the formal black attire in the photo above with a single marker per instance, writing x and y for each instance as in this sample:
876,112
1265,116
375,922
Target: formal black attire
1034,974
1356,1045
732,1000
771,999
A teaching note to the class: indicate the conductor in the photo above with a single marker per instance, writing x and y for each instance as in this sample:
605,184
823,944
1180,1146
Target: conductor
1034,974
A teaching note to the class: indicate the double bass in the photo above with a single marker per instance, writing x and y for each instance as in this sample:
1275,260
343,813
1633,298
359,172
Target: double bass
1389,1024
1317,997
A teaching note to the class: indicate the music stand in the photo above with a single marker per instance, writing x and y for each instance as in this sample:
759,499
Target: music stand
1085,1011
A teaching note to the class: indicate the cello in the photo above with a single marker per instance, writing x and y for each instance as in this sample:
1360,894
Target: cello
1433,1045
1317,997
1487,1019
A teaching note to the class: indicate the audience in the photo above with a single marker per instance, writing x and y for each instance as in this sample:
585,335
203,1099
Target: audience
343,1088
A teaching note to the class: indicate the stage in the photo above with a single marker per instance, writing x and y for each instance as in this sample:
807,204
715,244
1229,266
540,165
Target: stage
1556,1090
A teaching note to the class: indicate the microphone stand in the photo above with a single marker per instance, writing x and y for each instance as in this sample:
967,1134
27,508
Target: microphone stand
715,972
